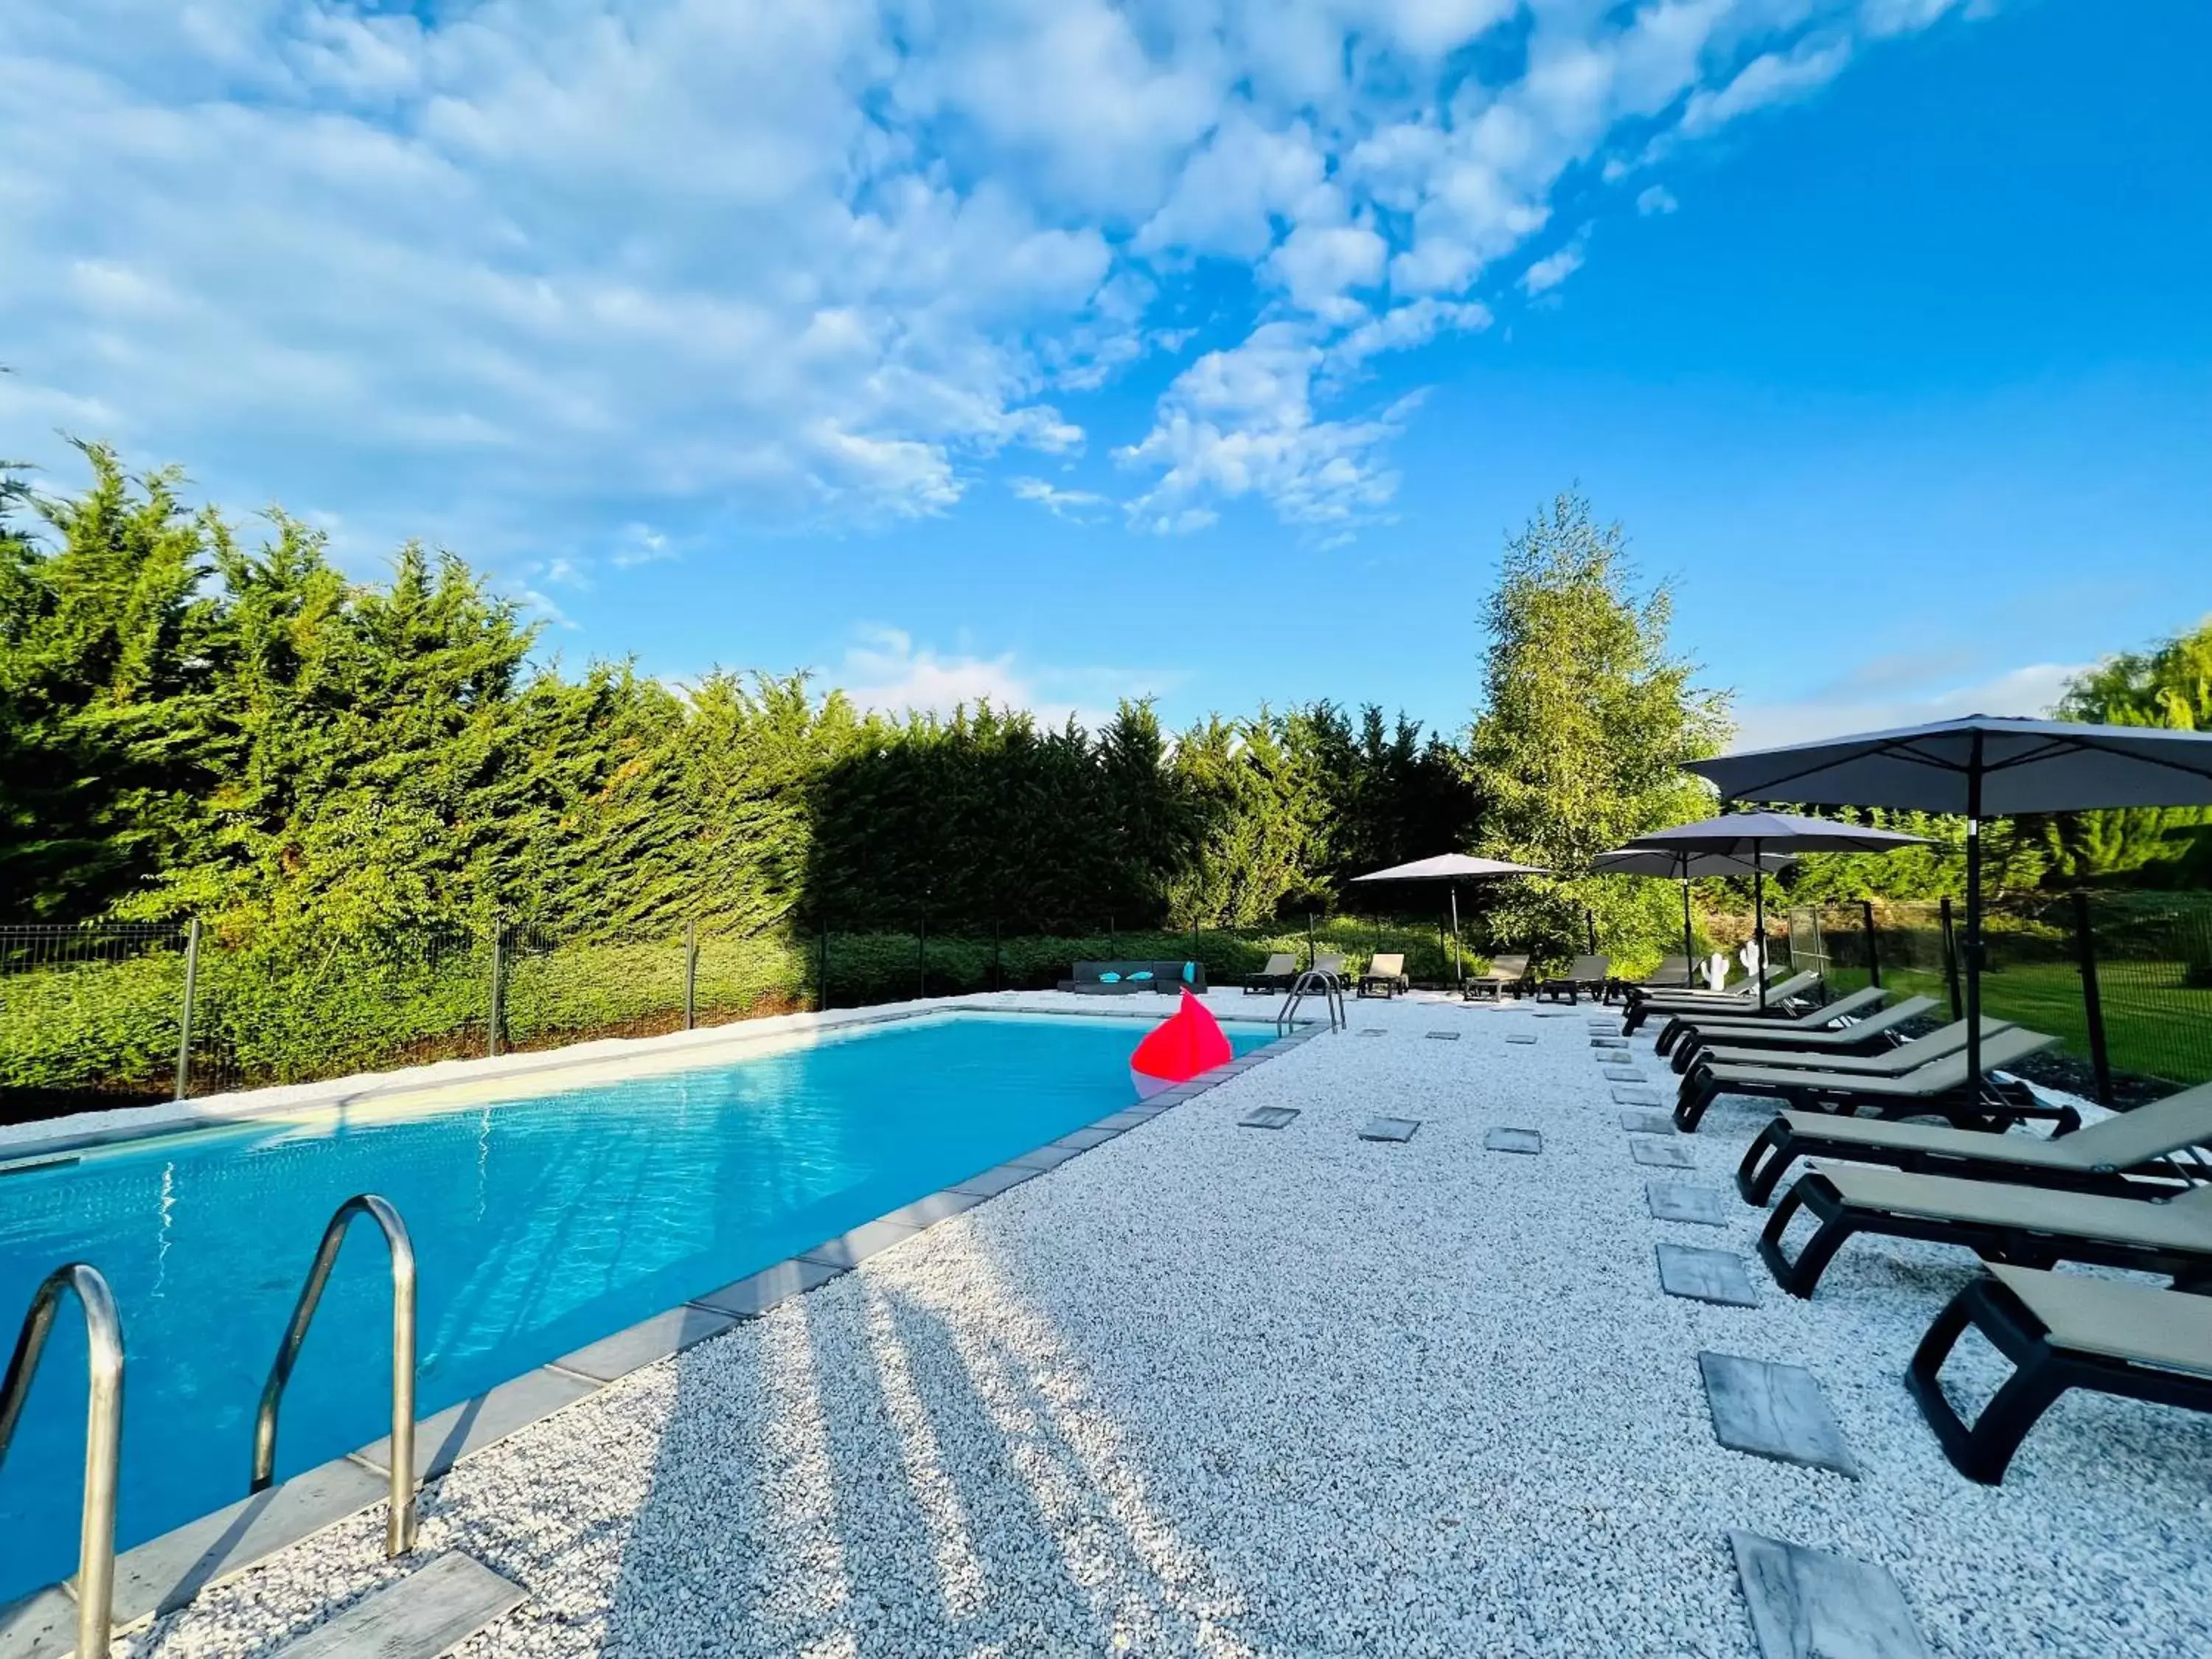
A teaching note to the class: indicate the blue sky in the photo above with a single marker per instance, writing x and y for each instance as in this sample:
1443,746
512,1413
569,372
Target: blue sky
1056,349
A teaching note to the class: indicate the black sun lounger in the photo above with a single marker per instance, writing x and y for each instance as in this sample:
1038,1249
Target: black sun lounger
1681,1023
1939,1088
1717,1004
2096,1159
2029,1226
1870,1036
2060,1331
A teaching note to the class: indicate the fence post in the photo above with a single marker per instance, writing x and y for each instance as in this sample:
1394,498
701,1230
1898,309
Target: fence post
1311,956
1113,939
997,973
1950,960
185,1015
1590,926
1873,948
690,975
921,951
498,985
822,973
2092,998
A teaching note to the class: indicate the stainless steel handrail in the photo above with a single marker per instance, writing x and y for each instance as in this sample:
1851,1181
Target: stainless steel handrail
399,1525
103,1433
1312,982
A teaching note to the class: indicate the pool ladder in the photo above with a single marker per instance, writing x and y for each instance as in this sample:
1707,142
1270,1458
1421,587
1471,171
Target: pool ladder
103,1431
1314,982
399,1523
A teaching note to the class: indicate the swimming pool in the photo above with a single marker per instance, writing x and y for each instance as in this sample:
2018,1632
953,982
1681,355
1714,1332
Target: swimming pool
545,1214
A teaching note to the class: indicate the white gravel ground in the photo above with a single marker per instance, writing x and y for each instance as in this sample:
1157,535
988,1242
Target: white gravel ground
1216,1390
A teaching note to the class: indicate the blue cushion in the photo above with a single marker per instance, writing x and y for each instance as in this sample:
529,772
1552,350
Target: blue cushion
1110,979
1144,974
1190,973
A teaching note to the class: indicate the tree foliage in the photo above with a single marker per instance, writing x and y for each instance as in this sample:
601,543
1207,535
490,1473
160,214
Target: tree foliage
1587,718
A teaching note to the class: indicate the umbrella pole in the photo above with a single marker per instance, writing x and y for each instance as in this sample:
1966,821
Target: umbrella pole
1689,950
1974,920
1459,974
1759,921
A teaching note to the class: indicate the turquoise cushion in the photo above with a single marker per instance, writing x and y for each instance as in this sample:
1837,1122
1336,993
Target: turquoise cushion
1110,979
1190,973
1146,973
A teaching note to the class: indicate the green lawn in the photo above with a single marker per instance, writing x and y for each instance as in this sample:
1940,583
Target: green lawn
2154,1027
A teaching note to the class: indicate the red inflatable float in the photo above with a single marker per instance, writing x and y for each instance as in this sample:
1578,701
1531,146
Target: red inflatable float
1188,1041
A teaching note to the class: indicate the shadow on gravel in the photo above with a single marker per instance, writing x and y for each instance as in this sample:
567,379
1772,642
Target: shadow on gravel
891,1467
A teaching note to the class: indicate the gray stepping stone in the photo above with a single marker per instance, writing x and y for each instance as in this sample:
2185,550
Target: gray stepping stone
1268,1117
1624,1074
1389,1129
1373,1031
433,1610
1442,1036
1513,1140
1662,1154
1522,1036
1638,1098
1705,1276
1647,1123
1676,1200
1808,1604
1773,1411
1608,1043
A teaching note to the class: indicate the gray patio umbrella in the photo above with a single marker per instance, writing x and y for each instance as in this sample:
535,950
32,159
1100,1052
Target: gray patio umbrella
1687,867
1454,868
1981,766
1749,835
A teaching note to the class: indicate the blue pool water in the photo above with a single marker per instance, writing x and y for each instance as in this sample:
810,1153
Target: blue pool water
540,1225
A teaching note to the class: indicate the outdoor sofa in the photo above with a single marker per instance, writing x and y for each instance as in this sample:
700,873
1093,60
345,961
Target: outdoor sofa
1127,978
2060,1331
1282,968
1386,975
2098,1158
1939,1088
2028,1226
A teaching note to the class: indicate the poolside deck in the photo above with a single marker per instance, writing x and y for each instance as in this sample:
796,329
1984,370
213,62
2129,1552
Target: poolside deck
1222,1390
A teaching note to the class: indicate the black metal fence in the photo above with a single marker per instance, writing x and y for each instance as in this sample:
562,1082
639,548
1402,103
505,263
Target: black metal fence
116,1013
2123,980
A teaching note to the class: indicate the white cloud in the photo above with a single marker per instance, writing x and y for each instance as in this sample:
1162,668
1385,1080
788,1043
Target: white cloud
2031,690
523,274
1553,269
1654,199
1078,506
886,669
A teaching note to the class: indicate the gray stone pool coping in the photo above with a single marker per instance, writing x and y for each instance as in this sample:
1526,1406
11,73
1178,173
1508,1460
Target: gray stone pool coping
163,1573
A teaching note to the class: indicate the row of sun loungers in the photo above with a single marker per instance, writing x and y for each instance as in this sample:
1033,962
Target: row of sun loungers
2131,1192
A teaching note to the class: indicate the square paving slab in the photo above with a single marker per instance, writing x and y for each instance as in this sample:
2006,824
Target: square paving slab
1268,1117
1513,1140
1522,1036
1677,1201
1442,1036
1647,1123
1808,1604
1608,1043
1627,1097
1773,1411
1662,1154
1389,1129
1624,1074
1705,1276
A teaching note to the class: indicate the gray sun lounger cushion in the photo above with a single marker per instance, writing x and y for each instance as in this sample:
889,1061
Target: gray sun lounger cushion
1935,1088
2097,1158
1282,968
1993,1220
2061,1331
1890,1063
1667,1004
1680,1021
1863,1036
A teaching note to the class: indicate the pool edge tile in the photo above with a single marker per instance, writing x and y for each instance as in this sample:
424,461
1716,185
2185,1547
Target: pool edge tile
756,1293
671,1331
443,1439
851,1248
